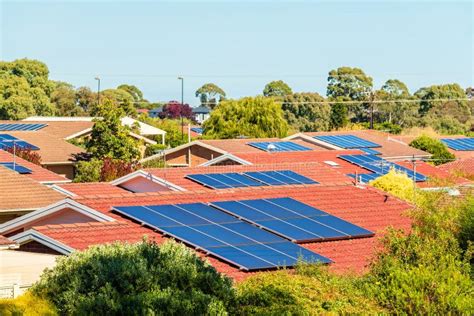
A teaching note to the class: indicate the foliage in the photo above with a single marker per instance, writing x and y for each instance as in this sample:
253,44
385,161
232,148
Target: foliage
24,89
429,101
209,93
154,149
65,100
88,171
277,89
172,129
139,279
175,109
85,98
311,290
435,147
119,98
338,117
25,153
445,124
109,138
26,304
385,127
250,117
349,83
466,223
306,112
396,183
137,95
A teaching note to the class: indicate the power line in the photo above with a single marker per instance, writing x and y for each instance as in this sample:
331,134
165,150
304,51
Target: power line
362,101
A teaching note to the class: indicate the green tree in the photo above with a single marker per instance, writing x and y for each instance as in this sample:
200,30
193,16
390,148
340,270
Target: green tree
85,98
209,94
120,98
435,147
250,117
430,101
136,93
138,279
64,99
109,138
88,171
397,110
277,89
338,117
306,112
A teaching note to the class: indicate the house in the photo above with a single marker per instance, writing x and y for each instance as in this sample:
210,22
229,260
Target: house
201,113
156,112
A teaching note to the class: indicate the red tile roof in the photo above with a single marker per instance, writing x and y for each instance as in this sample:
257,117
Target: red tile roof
437,175
5,242
93,188
39,173
234,146
464,166
368,208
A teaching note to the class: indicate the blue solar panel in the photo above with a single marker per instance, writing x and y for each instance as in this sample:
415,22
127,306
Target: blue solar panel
278,146
222,235
364,177
8,141
20,127
292,219
250,179
380,166
347,141
460,144
370,151
15,167
197,130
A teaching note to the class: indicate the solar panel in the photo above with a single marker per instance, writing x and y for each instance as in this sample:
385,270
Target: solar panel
222,235
370,151
21,127
380,166
460,144
292,219
197,130
15,167
347,141
8,141
250,179
278,146
365,177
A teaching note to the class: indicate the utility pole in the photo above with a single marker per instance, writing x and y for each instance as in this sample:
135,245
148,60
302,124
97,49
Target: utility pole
371,100
182,104
98,90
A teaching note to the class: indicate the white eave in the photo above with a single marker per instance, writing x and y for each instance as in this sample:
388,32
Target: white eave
225,157
148,176
33,235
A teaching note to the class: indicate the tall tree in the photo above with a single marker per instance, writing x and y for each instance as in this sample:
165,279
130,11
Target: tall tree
306,112
209,94
136,93
109,138
85,98
338,118
277,89
122,99
250,117
399,108
64,98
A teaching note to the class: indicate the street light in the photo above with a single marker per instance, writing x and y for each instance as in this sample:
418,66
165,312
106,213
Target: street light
98,90
182,104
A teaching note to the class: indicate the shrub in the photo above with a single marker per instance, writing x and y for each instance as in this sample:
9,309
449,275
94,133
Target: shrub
311,290
26,304
396,183
104,170
439,151
154,149
138,279
88,171
25,153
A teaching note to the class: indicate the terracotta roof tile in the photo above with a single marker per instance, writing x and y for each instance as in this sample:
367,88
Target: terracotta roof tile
234,146
4,241
464,166
18,192
39,173
93,188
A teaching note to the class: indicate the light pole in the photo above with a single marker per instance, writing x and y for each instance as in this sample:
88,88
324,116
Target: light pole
182,104
98,90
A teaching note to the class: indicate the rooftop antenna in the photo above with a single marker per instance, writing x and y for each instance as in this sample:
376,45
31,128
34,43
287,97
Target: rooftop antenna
14,154
271,148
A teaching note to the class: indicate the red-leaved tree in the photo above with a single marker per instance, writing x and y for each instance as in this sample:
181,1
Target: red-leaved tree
175,109
113,169
25,153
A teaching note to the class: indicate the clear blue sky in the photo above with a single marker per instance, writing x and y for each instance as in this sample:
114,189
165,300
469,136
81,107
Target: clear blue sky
240,45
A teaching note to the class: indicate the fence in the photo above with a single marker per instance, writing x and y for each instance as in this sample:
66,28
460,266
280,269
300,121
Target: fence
14,290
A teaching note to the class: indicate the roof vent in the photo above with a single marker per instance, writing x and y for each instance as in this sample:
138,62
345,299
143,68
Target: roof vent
331,163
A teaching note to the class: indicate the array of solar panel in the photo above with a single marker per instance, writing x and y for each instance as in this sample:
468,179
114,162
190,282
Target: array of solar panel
461,144
292,219
279,146
347,141
222,235
15,167
8,141
250,179
365,177
380,166
197,130
21,127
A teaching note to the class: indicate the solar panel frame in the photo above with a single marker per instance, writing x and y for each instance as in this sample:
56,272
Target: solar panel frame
347,141
298,224
197,130
21,127
201,237
16,167
279,146
460,144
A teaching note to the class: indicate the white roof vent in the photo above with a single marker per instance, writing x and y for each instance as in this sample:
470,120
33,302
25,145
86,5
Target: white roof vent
331,163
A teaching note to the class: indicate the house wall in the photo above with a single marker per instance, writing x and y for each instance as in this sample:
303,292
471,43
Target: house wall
34,246
193,156
64,170
140,184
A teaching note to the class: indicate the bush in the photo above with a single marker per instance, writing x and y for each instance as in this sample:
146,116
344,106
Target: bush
312,290
25,153
154,149
138,279
26,304
439,151
88,171
396,183
104,170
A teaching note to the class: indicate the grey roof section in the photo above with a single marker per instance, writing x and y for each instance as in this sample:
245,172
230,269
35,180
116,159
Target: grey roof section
201,109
